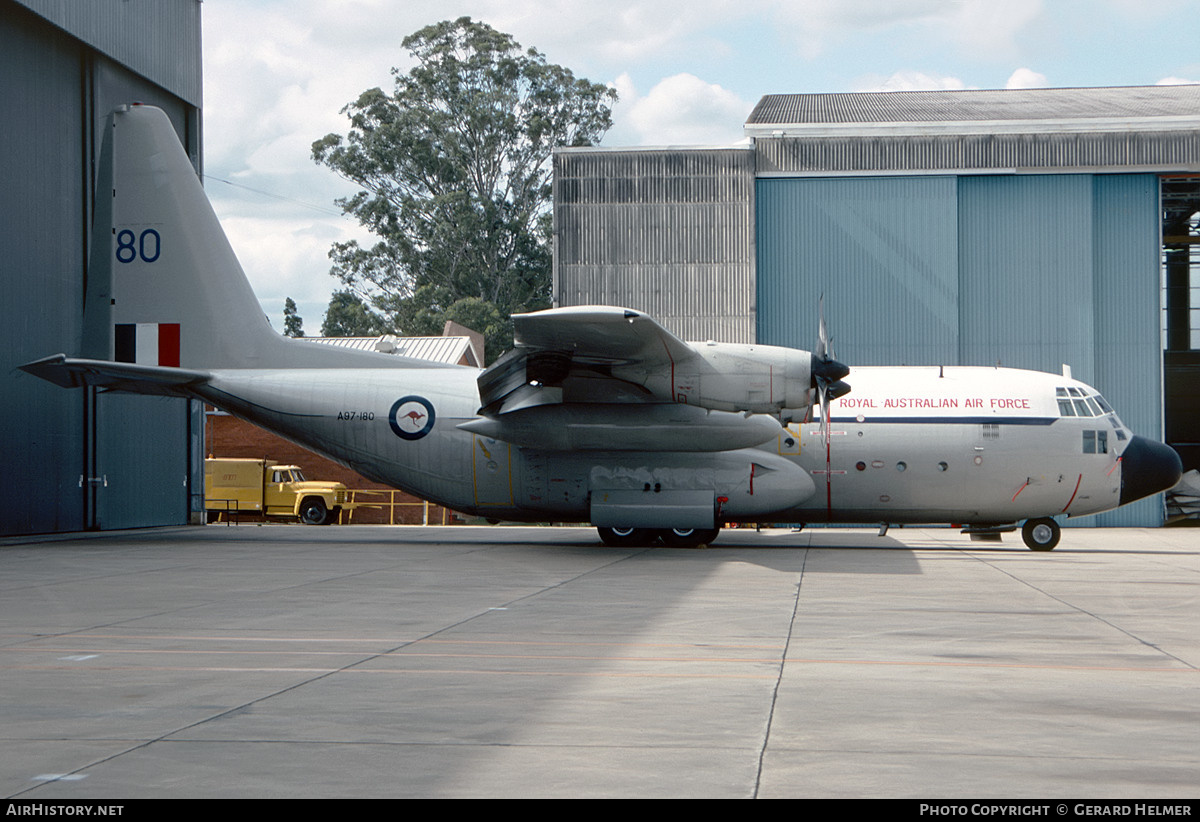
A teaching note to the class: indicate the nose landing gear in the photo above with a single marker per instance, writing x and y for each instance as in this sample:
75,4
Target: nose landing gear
1040,534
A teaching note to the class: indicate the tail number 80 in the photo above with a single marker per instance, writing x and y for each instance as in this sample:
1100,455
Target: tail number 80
145,246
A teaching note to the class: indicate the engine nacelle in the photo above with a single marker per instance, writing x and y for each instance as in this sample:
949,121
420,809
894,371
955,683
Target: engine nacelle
762,379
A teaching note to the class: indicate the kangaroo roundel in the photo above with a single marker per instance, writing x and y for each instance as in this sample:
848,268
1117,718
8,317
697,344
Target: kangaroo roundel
411,417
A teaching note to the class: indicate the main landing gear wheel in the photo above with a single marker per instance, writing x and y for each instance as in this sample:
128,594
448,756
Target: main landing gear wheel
688,537
1040,534
626,537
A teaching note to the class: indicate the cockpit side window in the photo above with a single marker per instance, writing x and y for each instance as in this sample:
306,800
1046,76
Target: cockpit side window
1095,442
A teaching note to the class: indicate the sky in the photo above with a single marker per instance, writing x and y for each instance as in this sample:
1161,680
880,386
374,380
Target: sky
278,72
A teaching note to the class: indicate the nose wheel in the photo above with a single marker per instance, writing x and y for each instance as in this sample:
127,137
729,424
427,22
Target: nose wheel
1040,534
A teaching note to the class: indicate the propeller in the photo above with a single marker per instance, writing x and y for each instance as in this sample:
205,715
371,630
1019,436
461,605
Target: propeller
827,376
827,372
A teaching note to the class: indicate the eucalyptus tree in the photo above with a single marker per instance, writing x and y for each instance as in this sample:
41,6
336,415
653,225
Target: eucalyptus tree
454,170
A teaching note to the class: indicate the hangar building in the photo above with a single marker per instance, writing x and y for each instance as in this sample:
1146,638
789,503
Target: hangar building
1029,228
77,460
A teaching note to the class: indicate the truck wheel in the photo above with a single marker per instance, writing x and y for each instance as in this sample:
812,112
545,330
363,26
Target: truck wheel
312,511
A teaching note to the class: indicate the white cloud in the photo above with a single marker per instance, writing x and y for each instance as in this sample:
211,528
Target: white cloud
286,256
1176,81
679,110
975,26
911,81
1026,78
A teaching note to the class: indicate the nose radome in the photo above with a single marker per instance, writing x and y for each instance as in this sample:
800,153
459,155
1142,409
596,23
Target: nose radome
1148,467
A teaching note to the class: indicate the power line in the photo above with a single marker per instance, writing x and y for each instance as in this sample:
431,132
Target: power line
322,209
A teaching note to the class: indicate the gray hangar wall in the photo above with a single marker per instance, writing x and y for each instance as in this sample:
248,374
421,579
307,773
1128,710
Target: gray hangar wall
1028,271
75,459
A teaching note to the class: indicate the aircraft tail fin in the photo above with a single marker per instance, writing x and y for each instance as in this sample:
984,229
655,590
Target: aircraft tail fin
165,287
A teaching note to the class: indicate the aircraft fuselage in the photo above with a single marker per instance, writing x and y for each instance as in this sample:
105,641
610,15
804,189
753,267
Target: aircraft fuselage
963,445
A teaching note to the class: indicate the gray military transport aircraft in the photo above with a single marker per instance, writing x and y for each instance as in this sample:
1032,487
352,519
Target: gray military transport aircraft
598,414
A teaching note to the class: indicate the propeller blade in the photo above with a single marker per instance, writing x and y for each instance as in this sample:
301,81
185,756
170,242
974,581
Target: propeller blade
823,392
822,351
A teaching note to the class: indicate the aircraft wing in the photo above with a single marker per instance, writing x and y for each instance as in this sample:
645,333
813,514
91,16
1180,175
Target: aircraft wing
70,372
580,355
600,334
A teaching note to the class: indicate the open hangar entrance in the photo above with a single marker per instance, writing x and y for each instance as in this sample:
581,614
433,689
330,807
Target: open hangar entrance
1024,228
1181,315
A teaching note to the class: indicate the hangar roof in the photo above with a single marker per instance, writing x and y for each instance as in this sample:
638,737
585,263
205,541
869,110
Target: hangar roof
1153,108
1054,130
451,350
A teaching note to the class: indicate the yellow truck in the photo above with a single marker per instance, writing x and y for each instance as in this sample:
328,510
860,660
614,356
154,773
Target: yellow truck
265,487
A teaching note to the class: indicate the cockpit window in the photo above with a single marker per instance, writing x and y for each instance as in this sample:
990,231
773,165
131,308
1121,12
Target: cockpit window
1065,408
1081,408
1095,442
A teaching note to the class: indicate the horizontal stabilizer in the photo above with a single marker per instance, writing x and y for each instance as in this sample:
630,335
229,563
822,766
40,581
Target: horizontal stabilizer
69,372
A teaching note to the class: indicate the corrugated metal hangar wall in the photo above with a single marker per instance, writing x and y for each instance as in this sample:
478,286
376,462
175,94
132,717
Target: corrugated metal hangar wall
75,460
970,228
668,231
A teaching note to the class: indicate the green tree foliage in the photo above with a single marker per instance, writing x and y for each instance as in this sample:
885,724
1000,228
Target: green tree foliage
349,316
293,323
454,167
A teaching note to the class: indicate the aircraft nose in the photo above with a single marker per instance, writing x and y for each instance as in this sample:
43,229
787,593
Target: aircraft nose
1148,467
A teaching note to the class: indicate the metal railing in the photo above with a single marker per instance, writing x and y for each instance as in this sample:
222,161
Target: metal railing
346,516
229,510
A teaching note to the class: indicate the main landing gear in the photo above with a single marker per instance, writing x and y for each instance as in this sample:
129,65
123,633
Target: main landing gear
1040,534
671,537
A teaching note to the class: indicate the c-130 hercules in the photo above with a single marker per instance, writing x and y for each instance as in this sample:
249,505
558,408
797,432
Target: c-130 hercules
598,414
